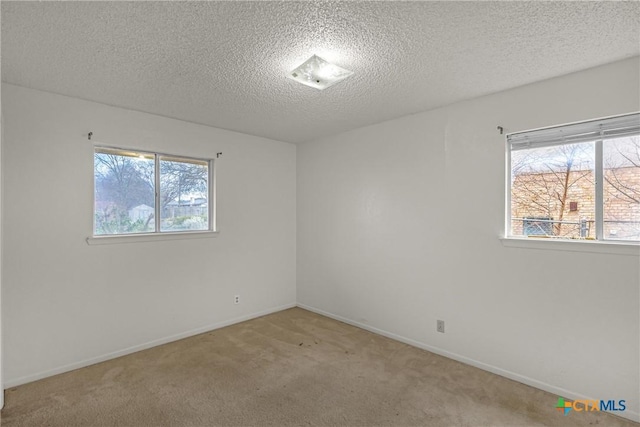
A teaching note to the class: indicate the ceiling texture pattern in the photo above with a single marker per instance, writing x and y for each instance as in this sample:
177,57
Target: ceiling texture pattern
224,64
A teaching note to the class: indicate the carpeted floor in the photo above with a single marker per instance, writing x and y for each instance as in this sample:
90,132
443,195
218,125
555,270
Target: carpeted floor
289,368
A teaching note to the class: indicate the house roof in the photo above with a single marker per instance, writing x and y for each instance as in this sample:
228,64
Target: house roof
142,207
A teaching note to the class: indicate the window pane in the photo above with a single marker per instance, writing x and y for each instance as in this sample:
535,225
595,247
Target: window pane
621,159
124,192
184,194
553,191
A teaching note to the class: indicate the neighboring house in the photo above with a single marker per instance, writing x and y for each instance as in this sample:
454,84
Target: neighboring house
187,205
194,199
537,200
140,212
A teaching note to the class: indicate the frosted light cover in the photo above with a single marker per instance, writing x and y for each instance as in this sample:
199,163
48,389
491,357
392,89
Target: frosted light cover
318,73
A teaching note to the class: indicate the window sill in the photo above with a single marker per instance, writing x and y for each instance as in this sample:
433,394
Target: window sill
155,237
606,247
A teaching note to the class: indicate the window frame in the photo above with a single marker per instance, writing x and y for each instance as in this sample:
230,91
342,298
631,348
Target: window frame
157,234
599,243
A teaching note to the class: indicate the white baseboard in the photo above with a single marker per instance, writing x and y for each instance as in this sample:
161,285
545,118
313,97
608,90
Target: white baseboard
13,382
558,391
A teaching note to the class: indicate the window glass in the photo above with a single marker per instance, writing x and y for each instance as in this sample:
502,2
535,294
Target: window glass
124,192
621,159
183,194
141,192
553,191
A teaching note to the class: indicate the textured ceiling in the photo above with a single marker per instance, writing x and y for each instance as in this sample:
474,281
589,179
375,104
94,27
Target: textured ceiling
224,64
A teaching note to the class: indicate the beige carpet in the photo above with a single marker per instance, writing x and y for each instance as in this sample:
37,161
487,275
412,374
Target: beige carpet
289,368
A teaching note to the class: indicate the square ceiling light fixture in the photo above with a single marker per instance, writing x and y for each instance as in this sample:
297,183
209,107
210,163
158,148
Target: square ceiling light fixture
318,73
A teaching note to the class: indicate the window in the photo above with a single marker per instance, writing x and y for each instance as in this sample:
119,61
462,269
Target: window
142,193
579,181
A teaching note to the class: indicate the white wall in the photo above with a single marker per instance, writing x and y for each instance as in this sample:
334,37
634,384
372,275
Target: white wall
399,225
66,303
1,194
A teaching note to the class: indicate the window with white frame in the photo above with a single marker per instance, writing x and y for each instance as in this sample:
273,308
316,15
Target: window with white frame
144,193
579,181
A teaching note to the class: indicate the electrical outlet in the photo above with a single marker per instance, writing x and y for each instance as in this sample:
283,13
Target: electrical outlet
236,299
440,326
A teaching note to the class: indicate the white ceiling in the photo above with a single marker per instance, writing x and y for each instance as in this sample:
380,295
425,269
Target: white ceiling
224,64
